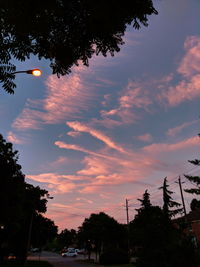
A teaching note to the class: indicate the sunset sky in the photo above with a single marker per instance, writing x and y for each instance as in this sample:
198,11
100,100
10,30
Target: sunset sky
110,131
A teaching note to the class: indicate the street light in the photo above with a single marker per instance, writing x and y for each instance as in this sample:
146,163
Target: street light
34,72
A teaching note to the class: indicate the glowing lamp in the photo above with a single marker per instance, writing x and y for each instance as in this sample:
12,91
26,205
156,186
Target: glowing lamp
35,72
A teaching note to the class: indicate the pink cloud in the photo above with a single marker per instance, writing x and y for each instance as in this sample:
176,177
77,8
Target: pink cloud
158,148
11,137
94,166
67,96
56,183
174,131
60,162
134,97
63,145
106,122
145,137
106,100
80,127
185,90
74,133
190,64
189,87
29,119
66,219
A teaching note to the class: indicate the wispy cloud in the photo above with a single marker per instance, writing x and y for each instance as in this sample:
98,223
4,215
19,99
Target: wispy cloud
80,127
67,96
190,64
73,133
132,97
145,137
176,130
13,138
159,148
189,86
57,183
184,91
105,169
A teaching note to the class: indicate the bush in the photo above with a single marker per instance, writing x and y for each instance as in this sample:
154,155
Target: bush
114,256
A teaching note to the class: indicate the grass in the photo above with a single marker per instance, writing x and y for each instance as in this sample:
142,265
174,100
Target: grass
13,263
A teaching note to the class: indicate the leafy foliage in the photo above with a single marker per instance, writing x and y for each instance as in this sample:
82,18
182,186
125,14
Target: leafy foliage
102,230
64,31
43,231
67,238
195,204
19,203
159,242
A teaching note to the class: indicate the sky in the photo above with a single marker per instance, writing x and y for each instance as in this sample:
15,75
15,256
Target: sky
107,132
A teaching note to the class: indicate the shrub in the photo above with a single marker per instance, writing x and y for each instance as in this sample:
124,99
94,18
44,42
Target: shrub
114,256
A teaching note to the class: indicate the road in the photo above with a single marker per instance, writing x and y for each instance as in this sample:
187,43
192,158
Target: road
58,261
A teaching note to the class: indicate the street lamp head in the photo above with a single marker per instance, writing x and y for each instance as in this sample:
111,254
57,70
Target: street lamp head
35,72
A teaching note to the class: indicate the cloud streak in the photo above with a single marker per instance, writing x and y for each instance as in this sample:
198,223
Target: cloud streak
176,130
80,127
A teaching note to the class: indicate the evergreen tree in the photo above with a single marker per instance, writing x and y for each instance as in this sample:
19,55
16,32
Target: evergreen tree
160,243
195,180
168,203
145,202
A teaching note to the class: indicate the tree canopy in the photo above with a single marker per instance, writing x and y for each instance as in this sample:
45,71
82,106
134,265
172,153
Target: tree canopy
21,204
64,31
160,243
102,231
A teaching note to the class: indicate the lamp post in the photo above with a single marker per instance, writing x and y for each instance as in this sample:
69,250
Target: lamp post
34,72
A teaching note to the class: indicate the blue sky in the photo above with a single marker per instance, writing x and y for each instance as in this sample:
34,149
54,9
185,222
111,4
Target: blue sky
109,132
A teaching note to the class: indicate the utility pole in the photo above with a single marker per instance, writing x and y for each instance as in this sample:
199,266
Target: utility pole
183,202
127,215
186,220
128,229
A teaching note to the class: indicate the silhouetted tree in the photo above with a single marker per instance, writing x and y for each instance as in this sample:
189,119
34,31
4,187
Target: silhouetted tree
145,202
195,180
195,190
19,203
168,203
195,204
102,231
159,242
43,231
12,192
64,31
67,238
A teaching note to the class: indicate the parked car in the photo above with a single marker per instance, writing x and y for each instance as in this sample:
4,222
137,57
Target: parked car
71,252
81,251
35,250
